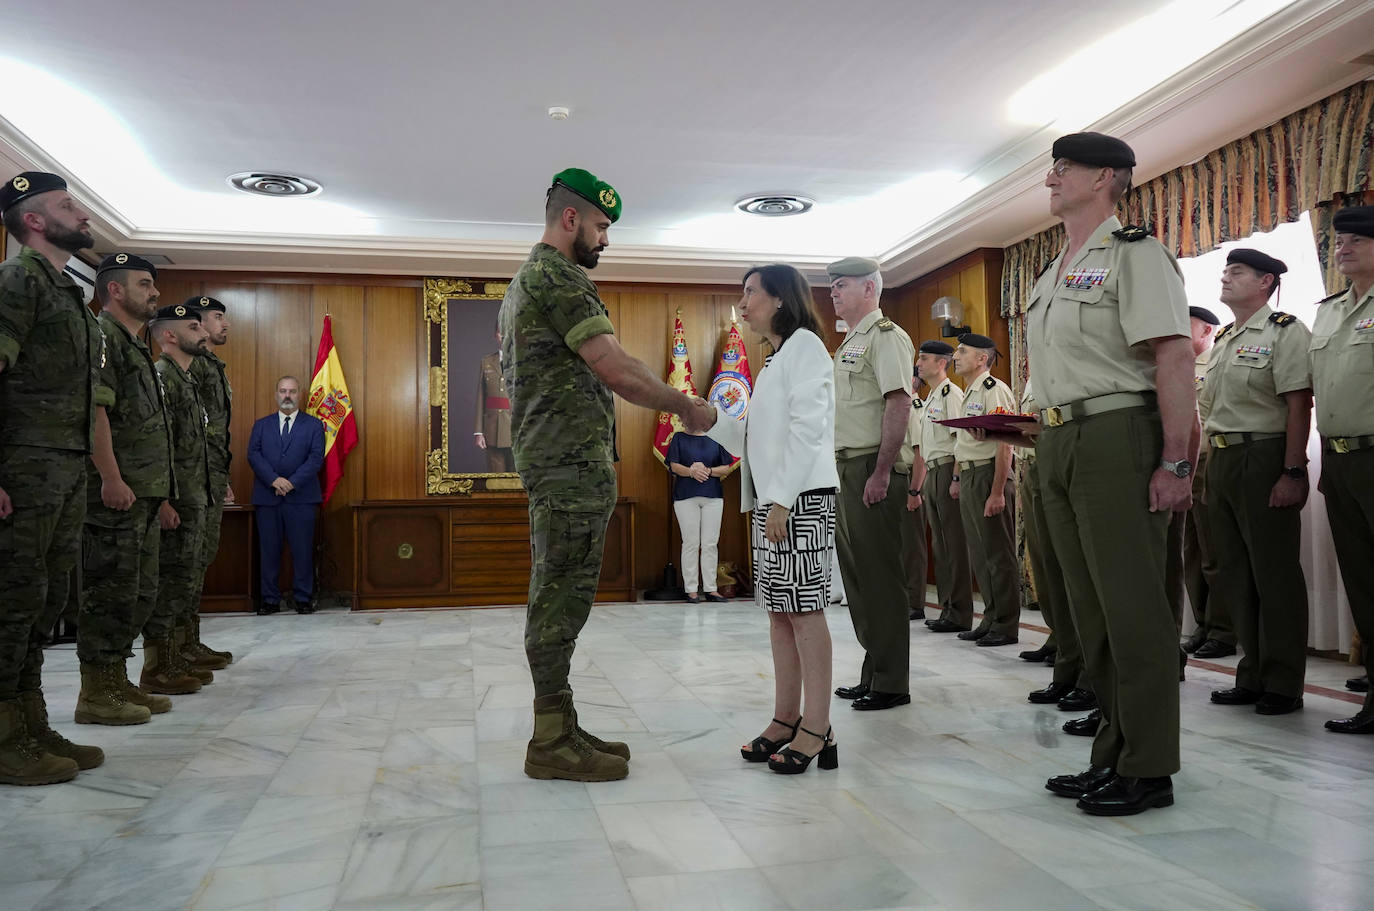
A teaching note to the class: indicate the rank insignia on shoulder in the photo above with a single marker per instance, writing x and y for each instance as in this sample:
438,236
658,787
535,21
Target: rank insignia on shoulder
1282,319
944,391
1132,233
1224,329
989,383
917,403
1331,298
886,324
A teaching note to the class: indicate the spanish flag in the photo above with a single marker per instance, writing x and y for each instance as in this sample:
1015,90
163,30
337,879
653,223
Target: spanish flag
330,403
680,378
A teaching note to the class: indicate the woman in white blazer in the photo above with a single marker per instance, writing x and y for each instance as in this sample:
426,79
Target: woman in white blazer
786,443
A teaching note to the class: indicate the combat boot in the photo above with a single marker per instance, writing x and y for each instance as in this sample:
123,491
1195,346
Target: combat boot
159,674
49,741
150,701
557,750
102,701
22,762
202,649
614,747
181,660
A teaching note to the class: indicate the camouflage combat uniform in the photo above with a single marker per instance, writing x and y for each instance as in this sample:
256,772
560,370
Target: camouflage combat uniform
120,547
217,398
51,345
180,554
563,430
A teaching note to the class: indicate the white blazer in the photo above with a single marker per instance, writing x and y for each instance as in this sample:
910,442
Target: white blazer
786,439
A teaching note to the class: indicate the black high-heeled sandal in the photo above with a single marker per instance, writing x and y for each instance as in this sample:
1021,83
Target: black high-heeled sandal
760,748
794,762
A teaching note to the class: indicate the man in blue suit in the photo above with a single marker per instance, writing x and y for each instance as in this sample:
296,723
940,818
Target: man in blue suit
286,451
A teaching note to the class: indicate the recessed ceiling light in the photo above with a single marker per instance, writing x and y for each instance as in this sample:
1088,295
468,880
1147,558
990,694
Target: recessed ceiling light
775,205
261,183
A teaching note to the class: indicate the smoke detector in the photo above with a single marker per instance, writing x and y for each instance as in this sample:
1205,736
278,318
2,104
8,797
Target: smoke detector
279,186
775,205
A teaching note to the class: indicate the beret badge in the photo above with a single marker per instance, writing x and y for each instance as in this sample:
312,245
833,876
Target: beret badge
180,310
608,197
122,258
21,183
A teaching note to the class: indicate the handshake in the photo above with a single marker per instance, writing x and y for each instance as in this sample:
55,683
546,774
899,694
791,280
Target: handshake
699,416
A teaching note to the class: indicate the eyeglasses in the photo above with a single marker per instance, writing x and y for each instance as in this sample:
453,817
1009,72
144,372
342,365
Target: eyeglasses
1059,168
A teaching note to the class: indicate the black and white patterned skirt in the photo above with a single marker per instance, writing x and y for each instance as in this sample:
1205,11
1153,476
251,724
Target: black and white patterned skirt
793,576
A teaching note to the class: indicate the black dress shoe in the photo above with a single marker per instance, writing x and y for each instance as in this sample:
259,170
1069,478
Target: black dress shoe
1236,695
266,607
930,623
946,626
1085,726
1363,723
992,640
1037,654
716,598
1274,704
307,607
1194,642
1050,694
876,701
1080,784
1128,796
852,692
1213,648
916,614
1358,684
1078,700
973,635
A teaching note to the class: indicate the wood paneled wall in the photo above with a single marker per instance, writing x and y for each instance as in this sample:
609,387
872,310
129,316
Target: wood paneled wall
275,325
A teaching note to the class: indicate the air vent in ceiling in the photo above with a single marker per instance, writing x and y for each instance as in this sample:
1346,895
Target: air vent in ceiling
260,183
775,205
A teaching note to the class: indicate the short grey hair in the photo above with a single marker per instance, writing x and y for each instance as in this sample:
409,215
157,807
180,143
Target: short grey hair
877,279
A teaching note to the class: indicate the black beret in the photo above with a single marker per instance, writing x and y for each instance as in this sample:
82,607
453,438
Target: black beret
1260,262
205,303
131,261
30,183
1355,220
1097,149
176,312
974,340
1202,313
934,347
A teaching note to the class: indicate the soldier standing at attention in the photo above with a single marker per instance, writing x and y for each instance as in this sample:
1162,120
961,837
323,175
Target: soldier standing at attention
872,408
217,397
50,347
1342,375
178,332
562,363
987,501
1260,390
493,414
953,582
1107,325
127,481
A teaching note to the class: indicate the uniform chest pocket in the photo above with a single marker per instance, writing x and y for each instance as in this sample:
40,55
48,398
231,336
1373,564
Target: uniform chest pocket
1098,313
848,379
1359,358
1261,361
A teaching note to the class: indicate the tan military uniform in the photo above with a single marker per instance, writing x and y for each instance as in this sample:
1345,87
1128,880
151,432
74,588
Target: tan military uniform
1259,576
874,359
991,540
948,546
493,414
1089,322
914,553
1342,356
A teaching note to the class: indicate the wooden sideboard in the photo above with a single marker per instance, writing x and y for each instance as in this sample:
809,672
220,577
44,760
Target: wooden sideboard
465,551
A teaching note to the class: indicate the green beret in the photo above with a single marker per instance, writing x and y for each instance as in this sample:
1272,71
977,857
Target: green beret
591,188
176,312
852,266
974,340
1096,149
1355,220
934,347
30,183
1260,262
130,261
204,303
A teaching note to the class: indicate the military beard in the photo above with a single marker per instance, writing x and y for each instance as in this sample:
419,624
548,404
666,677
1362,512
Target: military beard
584,254
191,348
68,239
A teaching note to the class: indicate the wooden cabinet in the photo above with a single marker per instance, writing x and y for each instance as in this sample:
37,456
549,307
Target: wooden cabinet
441,552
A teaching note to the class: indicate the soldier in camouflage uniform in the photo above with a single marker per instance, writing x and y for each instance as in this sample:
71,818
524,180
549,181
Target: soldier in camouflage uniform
178,332
50,346
561,364
128,479
217,397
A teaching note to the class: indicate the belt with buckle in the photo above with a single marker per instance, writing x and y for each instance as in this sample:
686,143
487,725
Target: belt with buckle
932,464
854,452
1025,453
975,463
1058,415
1223,440
1347,444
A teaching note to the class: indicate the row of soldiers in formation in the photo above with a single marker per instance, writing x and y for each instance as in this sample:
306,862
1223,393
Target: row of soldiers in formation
110,457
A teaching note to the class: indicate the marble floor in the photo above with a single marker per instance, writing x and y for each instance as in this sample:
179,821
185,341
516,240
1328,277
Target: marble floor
373,761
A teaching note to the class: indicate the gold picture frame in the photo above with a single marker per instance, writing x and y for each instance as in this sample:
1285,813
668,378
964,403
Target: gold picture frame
445,299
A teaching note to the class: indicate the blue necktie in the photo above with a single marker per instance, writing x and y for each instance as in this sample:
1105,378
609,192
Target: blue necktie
285,431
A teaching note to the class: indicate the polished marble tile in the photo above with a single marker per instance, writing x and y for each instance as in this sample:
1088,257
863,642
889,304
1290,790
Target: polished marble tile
148,872
670,837
723,890
413,858
298,886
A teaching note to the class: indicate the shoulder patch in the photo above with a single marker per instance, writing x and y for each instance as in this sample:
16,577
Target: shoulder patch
886,324
916,402
1224,329
1282,319
990,383
1132,233
944,390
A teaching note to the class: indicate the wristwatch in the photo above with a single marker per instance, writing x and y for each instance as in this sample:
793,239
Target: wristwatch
912,493
1295,471
1180,469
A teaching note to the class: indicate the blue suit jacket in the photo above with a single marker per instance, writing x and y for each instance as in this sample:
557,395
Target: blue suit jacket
299,461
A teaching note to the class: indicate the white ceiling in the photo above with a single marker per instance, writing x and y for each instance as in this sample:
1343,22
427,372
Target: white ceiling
427,123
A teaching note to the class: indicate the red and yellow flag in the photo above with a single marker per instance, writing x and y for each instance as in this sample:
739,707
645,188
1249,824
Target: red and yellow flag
733,385
680,378
330,403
